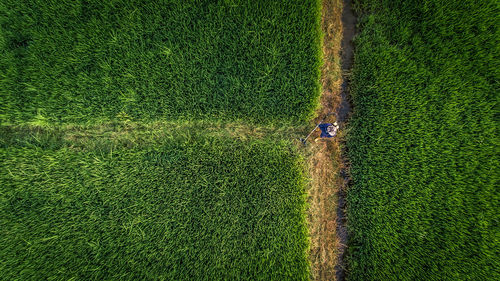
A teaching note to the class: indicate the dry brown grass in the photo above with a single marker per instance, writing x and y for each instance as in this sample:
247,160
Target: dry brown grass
331,74
324,157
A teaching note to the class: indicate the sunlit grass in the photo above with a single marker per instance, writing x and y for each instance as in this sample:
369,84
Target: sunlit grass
75,61
177,207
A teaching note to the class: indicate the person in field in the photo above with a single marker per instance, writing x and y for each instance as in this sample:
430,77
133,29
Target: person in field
328,130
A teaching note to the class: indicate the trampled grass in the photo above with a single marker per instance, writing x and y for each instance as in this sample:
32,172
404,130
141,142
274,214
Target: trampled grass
182,207
424,142
81,61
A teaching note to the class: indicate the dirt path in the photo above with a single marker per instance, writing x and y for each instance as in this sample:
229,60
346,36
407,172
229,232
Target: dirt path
343,113
347,58
328,169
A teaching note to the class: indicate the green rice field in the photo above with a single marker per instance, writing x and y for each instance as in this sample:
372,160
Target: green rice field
130,145
85,61
176,207
158,140
423,142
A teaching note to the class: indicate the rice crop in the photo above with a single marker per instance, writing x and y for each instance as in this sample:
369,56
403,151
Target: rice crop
423,142
85,61
185,206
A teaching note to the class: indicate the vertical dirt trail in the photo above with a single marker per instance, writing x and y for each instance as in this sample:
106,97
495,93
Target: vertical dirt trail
347,58
343,112
327,166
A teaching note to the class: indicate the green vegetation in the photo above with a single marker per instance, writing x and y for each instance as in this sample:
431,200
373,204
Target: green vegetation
83,61
178,206
424,142
103,173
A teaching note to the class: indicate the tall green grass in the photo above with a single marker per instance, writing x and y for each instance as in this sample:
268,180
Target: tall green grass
143,140
180,207
82,61
423,142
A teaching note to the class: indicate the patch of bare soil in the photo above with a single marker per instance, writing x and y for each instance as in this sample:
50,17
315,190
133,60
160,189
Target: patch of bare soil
327,166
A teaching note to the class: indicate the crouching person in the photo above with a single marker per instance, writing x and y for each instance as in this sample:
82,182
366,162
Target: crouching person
328,130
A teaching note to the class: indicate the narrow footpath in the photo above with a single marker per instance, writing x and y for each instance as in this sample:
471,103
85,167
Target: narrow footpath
327,164
343,112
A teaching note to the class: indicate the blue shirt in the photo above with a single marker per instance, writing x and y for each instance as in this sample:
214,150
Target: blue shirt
324,132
